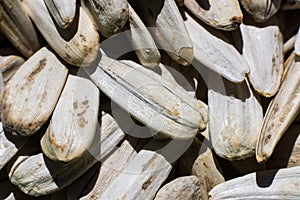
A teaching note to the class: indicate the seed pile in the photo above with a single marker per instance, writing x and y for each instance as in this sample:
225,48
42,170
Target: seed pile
144,99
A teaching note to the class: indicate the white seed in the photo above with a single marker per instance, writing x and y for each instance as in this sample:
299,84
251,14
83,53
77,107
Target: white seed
109,15
215,54
221,14
142,41
170,31
235,117
280,113
79,47
73,124
62,11
36,175
150,98
17,27
265,185
31,94
265,58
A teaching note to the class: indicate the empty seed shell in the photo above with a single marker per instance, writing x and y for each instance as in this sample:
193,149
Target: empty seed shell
230,106
184,188
141,39
261,10
215,54
79,48
150,99
280,113
36,175
170,31
109,15
17,27
73,124
265,58
273,184
31,94
224,15
63,12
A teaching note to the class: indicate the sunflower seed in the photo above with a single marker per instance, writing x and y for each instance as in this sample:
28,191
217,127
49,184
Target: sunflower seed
230,106
142,41
109,15
62,11
265,58
73,124
215,54
280,114
79,48
31,94
272,184
170,31
224,15
36,175
171,111
17,27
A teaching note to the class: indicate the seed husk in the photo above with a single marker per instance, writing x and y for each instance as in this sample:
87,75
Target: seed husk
73,124
31,94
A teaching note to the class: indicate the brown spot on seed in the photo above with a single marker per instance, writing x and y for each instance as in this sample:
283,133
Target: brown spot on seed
147,183
267,139
38,68
75,105
85,102
82,122
82,37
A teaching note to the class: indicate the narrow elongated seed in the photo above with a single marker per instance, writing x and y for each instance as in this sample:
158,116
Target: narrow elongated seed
73,124
36,175
220,14
261,10
62,11
215,54
109,15
265,185
230,106
280,113
150,98
265,58
31,94
142,41
17,27
78,47
170,31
